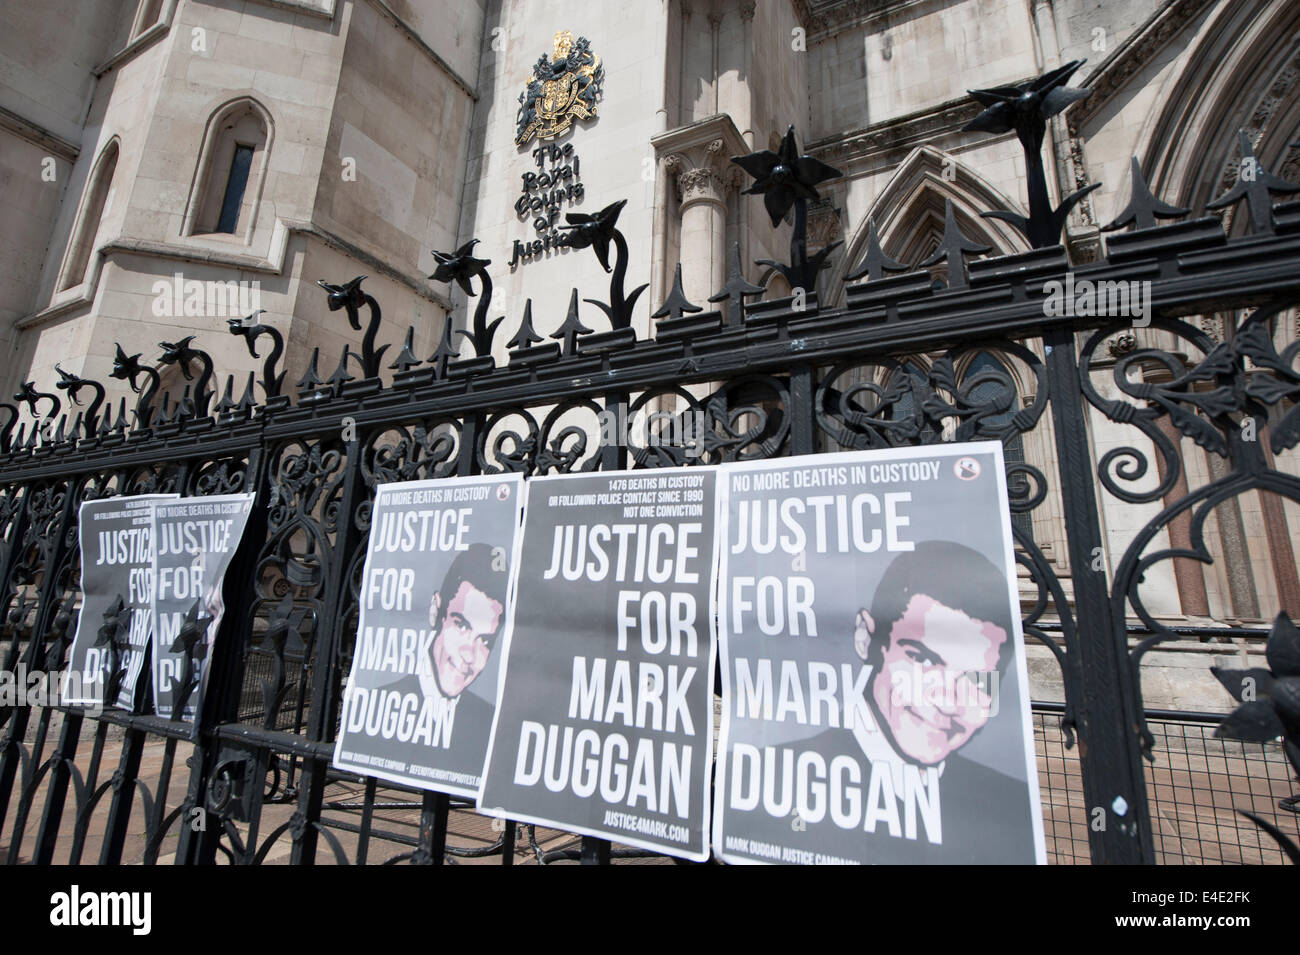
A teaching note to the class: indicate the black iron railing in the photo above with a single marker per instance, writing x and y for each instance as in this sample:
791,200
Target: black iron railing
781,377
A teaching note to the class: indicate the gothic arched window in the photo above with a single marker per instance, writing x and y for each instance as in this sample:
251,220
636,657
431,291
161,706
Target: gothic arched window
231,169
85,231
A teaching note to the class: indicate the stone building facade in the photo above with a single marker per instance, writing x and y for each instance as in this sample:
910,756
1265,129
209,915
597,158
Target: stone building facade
154,151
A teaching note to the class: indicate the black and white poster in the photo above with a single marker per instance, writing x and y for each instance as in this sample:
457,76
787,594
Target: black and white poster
875,703
606,720
194,541
115,626
435,605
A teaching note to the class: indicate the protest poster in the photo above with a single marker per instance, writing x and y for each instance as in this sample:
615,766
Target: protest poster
115,626
195,539
874,689
423,686
605,726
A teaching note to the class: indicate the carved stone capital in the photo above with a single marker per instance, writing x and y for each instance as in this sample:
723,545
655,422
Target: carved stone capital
716,136
747,8
699,157
702,184
824,225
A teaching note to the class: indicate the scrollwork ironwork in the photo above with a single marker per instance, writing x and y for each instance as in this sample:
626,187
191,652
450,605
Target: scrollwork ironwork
510,449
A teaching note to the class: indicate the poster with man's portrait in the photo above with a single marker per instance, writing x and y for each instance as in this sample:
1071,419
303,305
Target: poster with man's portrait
874,690
435,602
195,539
115,625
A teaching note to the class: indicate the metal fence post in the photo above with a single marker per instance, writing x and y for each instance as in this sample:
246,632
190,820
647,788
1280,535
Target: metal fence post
1110,757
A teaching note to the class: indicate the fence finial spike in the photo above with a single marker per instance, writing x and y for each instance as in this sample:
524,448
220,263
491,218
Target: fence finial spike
736,290
952,248
1254,184
406,359
676,303
876,263
572,328
1143,206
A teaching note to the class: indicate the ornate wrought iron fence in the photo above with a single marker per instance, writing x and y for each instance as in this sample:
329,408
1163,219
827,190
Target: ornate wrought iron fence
783,377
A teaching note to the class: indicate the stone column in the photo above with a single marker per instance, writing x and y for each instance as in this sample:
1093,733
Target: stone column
1045,44
703,192
745,106
698,158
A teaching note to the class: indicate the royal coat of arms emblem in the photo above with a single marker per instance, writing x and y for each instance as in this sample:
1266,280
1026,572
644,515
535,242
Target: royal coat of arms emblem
563,87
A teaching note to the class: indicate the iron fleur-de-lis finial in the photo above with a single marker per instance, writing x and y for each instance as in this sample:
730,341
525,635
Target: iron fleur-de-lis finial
1270,708
350,296
595,230
345,295
181,353
250,329
190,641
598,231
73,384
116,619
1025,109
784,179
193,626
459,267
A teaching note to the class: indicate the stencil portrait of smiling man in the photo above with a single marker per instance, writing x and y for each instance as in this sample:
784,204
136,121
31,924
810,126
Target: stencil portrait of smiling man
467,614
422,692
874,694
938,641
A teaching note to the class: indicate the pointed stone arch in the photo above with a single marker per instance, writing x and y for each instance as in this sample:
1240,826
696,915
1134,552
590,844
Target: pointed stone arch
1242,72
1239,69
909,213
